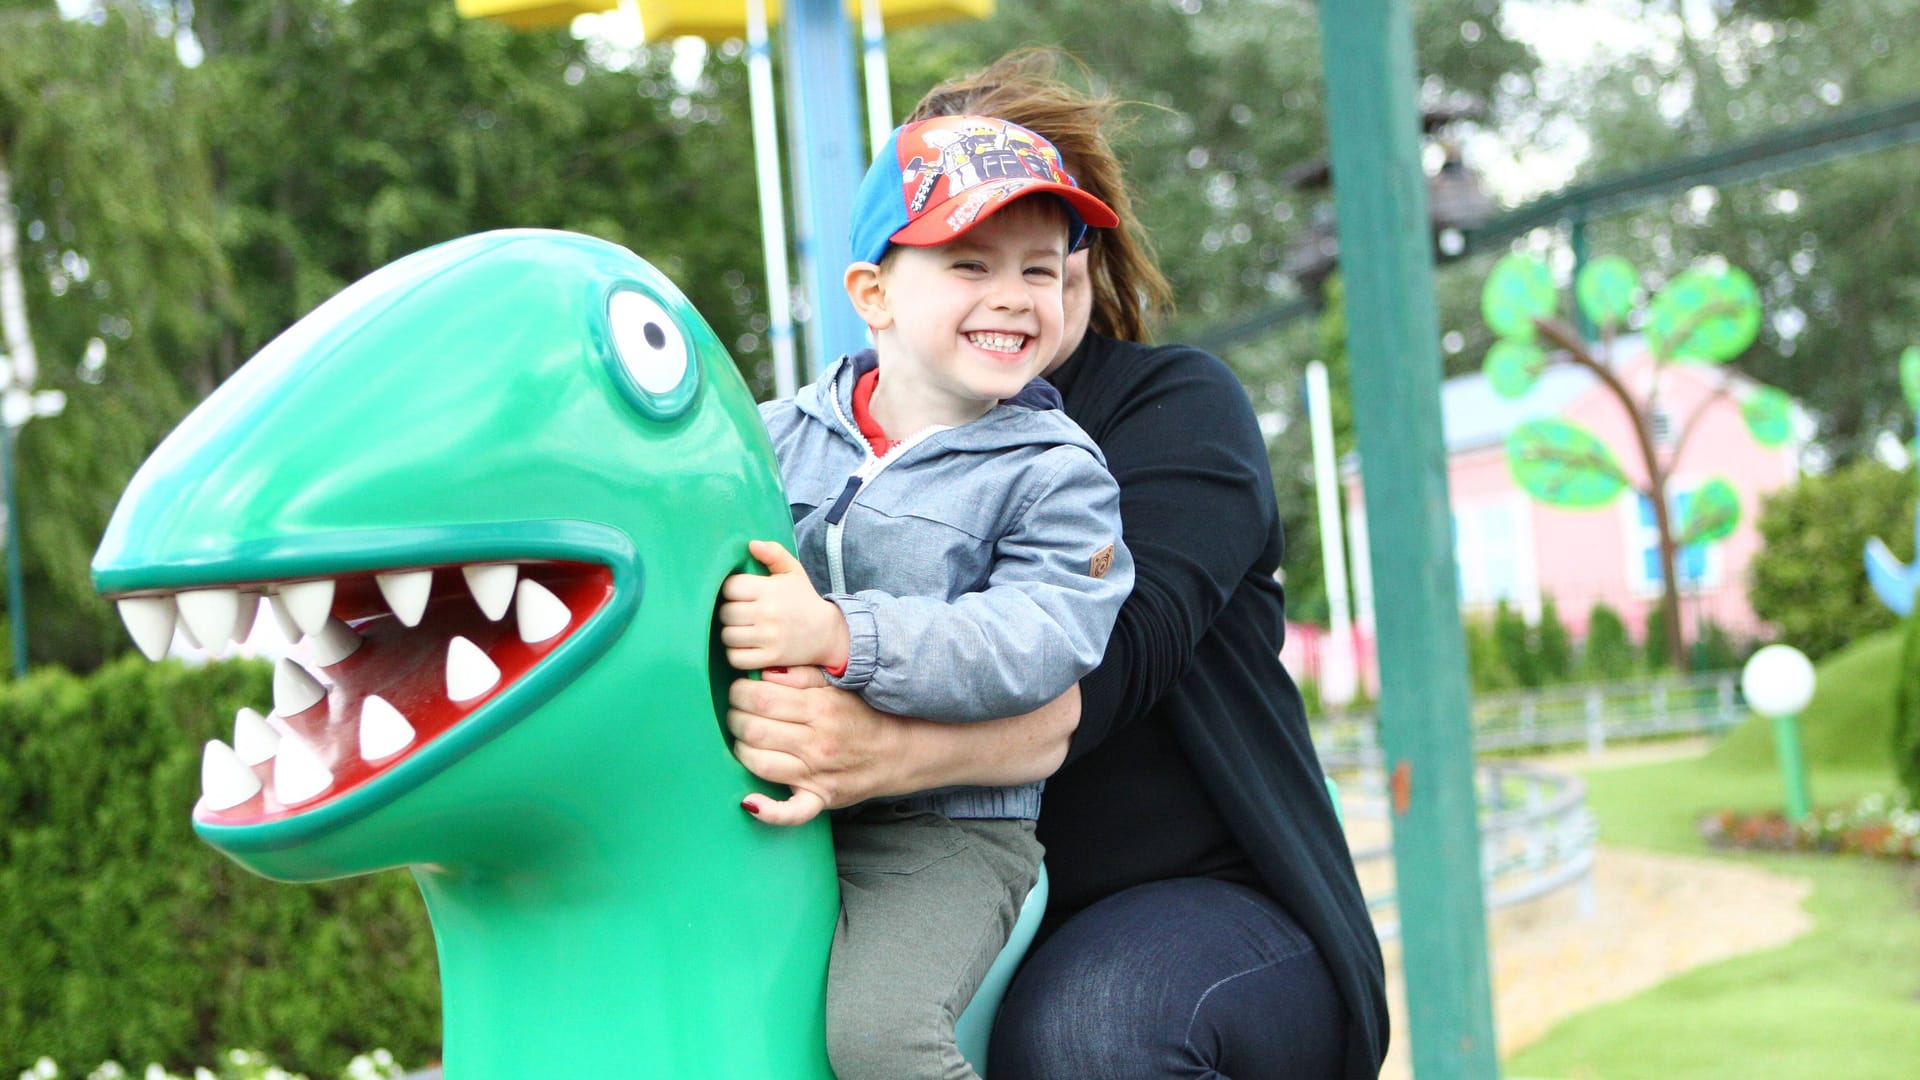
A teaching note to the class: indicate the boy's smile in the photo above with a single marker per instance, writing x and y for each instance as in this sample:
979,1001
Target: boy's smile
963,326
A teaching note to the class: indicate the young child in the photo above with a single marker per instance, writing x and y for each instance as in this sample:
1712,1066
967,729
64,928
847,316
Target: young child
967,537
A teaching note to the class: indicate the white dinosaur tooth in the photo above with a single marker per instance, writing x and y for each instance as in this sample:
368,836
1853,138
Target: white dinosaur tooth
244,620
298,773
406,592
541,614
150,620
383,731
295,690
254,739
469,672
492,587
210,615
225,780
186,636
335,642
308,603
288,628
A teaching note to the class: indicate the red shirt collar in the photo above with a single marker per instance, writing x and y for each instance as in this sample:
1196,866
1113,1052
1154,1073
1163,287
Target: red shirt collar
863,415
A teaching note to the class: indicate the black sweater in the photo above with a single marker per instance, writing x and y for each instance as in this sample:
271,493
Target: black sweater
1192,757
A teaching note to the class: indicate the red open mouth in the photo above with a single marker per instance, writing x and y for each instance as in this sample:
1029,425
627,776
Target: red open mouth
396,659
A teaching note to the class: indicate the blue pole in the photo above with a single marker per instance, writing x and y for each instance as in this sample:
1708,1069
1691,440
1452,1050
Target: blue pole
827,157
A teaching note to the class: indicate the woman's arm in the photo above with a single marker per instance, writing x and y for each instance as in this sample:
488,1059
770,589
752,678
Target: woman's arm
791,728
1197,503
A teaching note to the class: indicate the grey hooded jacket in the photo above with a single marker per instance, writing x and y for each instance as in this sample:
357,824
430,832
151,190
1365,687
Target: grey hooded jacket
979,567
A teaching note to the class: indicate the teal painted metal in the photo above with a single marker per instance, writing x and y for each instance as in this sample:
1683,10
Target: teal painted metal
16,584
601,904
1793,766
1393,339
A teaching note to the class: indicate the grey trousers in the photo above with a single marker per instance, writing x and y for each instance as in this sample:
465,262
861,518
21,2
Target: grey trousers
926,903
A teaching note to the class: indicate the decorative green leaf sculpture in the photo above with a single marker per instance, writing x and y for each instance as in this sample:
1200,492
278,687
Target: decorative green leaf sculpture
1518,291
1910,376
1704,316
1562,464
1514,366
1711,515
1607,289
1768,416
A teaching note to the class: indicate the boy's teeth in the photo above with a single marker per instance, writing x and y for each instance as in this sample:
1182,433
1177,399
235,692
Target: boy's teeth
1007,343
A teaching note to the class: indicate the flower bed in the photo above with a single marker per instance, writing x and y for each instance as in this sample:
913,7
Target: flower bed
1875,825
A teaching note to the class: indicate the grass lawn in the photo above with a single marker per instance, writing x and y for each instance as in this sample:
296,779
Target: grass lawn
1843,1000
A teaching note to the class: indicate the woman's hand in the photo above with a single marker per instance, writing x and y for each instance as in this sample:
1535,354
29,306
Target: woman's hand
792,728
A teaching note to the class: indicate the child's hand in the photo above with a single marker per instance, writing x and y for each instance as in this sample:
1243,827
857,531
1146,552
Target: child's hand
796,809
779,620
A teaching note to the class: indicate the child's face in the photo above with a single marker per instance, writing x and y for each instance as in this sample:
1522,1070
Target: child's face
975,320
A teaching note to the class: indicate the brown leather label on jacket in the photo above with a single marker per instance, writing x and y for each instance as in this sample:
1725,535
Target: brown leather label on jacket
1102,562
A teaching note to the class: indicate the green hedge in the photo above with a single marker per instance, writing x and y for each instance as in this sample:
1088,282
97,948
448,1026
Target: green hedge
123,937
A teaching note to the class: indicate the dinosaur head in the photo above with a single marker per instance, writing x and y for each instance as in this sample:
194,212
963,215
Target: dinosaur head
494,483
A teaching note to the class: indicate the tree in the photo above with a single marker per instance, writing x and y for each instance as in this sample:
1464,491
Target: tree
184,215
1703,317
1607,654
1552,649
1823,241
1514,643
1807,579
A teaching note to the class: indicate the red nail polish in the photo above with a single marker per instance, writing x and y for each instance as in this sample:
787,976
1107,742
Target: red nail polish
778,670
749,807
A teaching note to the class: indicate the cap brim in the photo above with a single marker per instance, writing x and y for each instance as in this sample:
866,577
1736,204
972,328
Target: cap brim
941,224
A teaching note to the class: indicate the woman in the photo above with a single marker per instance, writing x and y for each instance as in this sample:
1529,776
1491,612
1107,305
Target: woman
1204,919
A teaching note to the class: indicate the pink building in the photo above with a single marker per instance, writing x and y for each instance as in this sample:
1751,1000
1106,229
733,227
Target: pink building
1511,547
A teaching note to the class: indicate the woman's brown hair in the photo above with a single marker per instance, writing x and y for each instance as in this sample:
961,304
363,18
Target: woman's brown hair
1025,87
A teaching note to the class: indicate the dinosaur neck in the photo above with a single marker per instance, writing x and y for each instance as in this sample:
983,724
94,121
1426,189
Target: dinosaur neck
606,966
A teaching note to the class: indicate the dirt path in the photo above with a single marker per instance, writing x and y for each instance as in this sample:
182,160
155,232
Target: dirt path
1651,917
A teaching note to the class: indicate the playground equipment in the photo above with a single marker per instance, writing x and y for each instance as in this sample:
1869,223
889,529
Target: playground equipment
497,485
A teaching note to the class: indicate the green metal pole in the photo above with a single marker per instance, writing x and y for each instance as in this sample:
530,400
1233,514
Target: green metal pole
16,590
1386,260
1793,766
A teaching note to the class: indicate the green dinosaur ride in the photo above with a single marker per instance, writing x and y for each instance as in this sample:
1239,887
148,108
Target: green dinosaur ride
496,485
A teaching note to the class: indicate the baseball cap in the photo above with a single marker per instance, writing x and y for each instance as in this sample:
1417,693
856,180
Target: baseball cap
936,178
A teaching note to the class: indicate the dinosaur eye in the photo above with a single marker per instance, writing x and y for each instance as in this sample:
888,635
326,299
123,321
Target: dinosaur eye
652,349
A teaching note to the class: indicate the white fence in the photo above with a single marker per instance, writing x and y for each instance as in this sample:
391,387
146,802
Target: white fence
1536,832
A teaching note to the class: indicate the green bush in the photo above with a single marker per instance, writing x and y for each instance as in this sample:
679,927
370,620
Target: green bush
1486,670
1809,578
1904,738
126,938
1552,649
1653,649
1607,653
1514,641
1713,649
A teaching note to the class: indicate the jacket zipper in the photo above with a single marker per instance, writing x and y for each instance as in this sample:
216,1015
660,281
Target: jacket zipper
870,468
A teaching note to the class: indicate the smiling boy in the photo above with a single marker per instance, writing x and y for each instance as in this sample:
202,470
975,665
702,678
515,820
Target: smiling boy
966,536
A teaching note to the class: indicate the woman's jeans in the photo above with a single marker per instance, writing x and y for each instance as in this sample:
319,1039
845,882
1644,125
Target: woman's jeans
1185,978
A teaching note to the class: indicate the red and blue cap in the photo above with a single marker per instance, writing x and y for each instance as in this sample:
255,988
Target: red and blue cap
939,177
